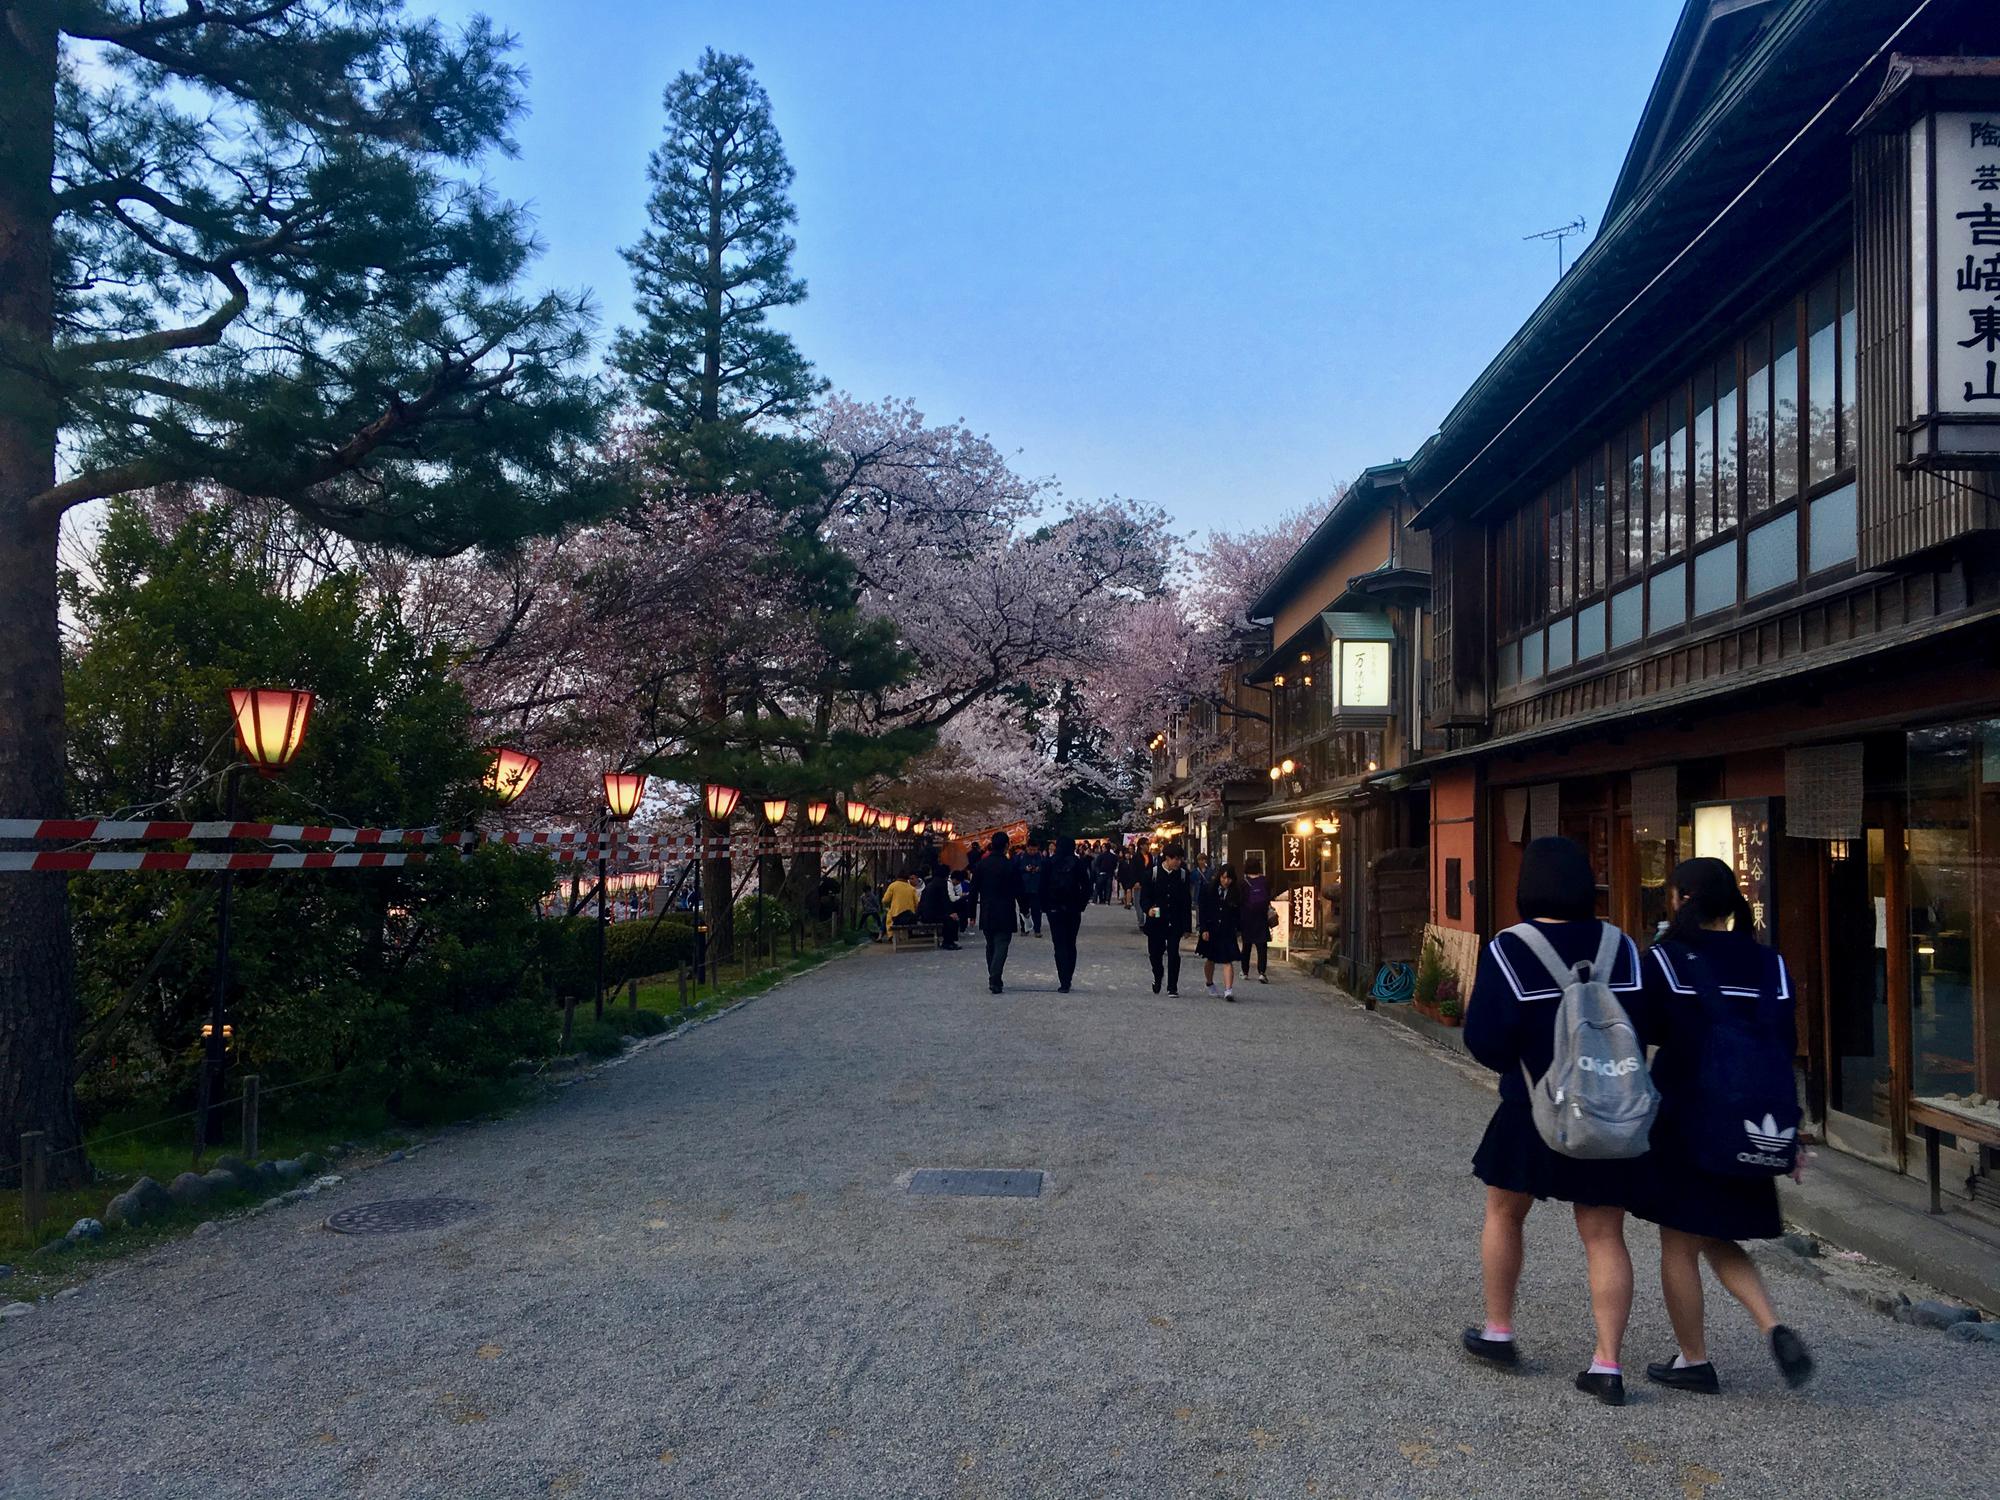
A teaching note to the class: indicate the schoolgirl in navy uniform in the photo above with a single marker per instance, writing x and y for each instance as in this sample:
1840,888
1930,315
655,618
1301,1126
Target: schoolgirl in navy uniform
1704,1214
1509,1022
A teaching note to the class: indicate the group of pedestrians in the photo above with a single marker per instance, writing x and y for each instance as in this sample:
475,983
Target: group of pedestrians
1231,920
1565,1008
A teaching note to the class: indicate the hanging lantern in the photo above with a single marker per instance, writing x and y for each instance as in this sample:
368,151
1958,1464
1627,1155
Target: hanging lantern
509,773
720,801
1305,827
270,724
623,791
1276,773
1288,765
902,822
815,813
920,828
775,809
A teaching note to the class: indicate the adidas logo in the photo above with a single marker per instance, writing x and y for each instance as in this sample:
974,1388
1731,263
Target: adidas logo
1768,1137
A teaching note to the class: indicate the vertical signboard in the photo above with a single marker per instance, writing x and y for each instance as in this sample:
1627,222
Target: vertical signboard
1955,288
1739,834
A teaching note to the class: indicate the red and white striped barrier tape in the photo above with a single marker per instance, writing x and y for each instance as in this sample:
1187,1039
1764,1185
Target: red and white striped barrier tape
76,860
82,830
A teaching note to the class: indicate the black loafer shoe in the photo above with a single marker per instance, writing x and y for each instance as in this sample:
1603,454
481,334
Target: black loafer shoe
1789,1350
1610,1389
1493,1351
1699,1377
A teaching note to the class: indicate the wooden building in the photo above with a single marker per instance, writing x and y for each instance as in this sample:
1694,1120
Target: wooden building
1346,817
1716,546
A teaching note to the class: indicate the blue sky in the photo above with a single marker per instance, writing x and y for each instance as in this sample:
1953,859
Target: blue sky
1215,256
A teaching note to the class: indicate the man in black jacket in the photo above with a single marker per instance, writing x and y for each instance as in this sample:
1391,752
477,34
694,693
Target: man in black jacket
934,906
996,886
1065,893
1165,901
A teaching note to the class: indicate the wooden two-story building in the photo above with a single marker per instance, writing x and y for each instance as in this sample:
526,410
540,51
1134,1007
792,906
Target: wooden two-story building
1716,545
1347,816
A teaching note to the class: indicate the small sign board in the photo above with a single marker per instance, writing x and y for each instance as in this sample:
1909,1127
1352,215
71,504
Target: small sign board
1295,852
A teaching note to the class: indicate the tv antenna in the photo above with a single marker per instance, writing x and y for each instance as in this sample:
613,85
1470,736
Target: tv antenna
1574,226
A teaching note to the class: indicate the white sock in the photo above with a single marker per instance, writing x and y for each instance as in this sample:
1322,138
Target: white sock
1682,1362
1498,1335
1599,1367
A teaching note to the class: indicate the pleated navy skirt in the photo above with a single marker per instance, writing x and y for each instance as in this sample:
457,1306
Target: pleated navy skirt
1513,1157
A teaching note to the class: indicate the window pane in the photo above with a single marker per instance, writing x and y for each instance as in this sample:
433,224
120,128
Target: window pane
1715,579
1635,487
1701,482
1951,827
1785,406
1772,557
1627,615
1510,664
1834,537
1595,525
1726,471
1590,631
1531,656
1669,598
1558,548
1757,424
1620,511
1822,369
1847,339
1561,643
1656,488
1677,471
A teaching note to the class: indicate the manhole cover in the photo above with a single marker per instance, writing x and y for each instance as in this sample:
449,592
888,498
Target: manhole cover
402,1215
977,1182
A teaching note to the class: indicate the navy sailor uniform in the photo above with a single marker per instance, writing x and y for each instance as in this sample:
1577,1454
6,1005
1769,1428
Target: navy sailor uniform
1510,1021
1676,1193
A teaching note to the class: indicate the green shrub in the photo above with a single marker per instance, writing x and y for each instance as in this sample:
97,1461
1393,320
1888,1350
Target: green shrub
632,950
777,919
597,1039
1431,970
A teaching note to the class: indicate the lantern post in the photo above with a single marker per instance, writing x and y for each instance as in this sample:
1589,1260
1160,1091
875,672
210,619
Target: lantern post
718,802
623,791
270,727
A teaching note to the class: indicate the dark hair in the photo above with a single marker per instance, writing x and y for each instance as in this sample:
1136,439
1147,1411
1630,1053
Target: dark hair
1228,890
1000,842
1174,851
1065,847
1708,891
1556,882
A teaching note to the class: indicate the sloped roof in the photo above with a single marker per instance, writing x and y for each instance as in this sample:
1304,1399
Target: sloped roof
1368,494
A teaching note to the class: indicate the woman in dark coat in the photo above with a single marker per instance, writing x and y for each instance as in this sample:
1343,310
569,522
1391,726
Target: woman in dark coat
934,906
1710,943
1221,927
1257,927
1509,1025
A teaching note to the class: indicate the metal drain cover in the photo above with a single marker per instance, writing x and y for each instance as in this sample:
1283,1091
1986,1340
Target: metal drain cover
977,1182
402,1215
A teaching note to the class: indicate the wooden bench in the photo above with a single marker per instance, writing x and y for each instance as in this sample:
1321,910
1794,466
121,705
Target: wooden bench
914,936
1934,1118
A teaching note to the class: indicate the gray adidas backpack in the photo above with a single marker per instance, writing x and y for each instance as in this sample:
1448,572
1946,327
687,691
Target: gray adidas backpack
1597,1100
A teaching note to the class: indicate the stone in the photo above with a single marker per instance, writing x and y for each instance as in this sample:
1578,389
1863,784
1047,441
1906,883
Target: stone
189,1190
55,1247
290,1170
17,1309
312,1164
68,1292
242,1172
206,1228
332,1179
395,1156
268,1175
1974,1333
296,1195
1933,1314
1887,1303
1802,1244
142,1203
222,1180
5,1272
85,1232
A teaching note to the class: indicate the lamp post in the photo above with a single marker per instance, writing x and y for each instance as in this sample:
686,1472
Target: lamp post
623,791
775,809
719,803
270,727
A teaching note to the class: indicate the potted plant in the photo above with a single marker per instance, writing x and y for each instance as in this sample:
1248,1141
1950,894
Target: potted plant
1431,974
1450,1005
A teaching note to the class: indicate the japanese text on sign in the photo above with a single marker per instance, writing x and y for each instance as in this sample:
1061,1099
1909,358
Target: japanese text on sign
1968,283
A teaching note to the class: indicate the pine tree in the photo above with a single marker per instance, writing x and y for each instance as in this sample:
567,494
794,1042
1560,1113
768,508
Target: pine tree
242,245
712,374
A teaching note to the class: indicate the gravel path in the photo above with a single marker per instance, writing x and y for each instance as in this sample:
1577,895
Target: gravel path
697,1277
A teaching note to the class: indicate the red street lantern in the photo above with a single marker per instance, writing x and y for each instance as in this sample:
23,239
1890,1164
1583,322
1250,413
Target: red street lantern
816,813
270,725
509,773
623,791
720,801
775,809
920,828
902,822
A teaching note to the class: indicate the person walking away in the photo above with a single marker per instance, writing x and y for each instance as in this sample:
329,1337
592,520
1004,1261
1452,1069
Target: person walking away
973,854
1065,893
1105,868
934,907
996,888
1221,906
1128,878
899,902
1257,927
1728,1128
1033,865
1510,1026
1165,908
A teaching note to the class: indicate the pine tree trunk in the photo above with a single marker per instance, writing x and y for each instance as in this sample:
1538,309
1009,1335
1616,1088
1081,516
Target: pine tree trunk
37,967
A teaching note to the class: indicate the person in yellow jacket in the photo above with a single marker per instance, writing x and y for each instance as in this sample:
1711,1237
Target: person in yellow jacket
899,902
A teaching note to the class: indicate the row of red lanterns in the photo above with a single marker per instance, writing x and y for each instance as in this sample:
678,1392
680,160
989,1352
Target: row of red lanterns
511,770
